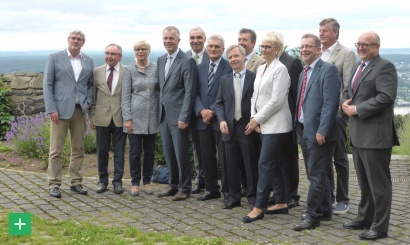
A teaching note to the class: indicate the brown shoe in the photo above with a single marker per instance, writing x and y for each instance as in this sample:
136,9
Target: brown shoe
168,192
180,196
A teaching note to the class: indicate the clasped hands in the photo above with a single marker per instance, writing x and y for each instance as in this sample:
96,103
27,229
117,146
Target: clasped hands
349,109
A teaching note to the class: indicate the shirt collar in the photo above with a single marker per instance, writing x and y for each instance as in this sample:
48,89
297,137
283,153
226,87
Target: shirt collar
116,67
70,56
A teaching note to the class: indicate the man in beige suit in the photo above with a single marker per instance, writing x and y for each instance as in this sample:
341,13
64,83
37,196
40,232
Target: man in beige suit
247,39
106,117
343,58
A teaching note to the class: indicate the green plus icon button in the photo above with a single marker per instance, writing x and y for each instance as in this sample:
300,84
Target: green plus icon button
19,224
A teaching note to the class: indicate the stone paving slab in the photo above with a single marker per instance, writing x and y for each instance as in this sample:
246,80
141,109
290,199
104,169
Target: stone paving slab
27,192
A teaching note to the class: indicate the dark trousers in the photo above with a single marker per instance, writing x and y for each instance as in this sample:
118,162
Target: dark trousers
289,158
175,145
318,162
212,152
373,174
341,163
196,152
103,143
137,143
270,168
241,147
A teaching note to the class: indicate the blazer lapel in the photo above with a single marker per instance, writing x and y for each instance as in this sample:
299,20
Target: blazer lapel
230,85
246,84
313,76
66,59
174,64
119,83
219,70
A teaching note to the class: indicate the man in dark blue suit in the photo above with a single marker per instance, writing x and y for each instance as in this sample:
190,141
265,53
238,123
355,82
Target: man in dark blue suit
209,74
316,128
233,110
177,78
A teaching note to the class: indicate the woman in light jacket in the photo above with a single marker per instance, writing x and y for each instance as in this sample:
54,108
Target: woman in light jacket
270,115
140,111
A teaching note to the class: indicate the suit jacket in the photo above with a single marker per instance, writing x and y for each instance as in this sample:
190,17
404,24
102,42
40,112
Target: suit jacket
294,67
205,58
254,62
106,105
177,90
205,98
374,97
321,103
225,101
60,87
269,104
344,59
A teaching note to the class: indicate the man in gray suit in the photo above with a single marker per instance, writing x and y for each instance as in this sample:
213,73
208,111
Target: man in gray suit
197,40
343,58
106,117
68,94
316,128
368,100
177,75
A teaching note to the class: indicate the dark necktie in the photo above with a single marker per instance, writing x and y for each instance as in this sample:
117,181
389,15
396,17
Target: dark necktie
211,74
302,91
359,72
109,79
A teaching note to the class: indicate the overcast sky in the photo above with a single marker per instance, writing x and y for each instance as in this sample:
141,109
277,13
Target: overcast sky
45,24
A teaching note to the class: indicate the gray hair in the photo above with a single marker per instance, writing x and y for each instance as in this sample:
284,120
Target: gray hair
79,32
195,28
314,37
170,28
115,45
218,37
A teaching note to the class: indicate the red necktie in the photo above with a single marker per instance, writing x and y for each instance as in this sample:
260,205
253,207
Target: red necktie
109,79
302,91
358,75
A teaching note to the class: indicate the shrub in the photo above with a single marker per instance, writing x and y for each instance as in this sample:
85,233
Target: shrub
404,137
30,137
5,109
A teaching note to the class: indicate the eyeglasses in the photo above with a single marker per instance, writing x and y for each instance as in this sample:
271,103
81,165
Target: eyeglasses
112,54
76,38
140,49
364,45
264,47
307,47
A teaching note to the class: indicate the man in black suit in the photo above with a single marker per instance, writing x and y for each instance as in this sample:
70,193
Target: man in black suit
369,103
233,108
177,78
197,40
209,74
316,128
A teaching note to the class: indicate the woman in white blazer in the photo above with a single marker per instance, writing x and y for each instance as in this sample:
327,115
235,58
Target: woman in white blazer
270,115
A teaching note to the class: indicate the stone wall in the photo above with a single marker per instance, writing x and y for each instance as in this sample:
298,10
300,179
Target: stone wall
27,92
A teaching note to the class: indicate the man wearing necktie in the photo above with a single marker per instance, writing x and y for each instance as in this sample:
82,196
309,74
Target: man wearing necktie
211,145
197,40
106,117
369,103
233,110
316,128
177,98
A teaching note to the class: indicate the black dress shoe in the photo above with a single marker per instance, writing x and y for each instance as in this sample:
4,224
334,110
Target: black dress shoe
209,195
292,203
231,204
372,235
102,187
78,189
306,224
197,188
322,218
355,225
168,192
118,188
248,219
277,211
55,192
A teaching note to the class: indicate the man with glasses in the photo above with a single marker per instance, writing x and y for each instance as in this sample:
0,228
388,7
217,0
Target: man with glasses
197,40
209,74
68,94
368,100
343,58
106,117
316,128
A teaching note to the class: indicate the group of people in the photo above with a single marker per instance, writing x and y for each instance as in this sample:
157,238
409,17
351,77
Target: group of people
245,116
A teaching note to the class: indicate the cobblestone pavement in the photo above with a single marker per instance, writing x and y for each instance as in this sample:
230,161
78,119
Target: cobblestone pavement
197,218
